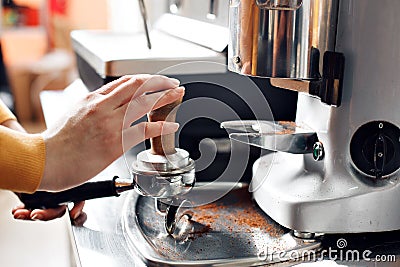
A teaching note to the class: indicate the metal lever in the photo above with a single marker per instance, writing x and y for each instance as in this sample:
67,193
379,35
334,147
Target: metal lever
284,136
143,11
212,11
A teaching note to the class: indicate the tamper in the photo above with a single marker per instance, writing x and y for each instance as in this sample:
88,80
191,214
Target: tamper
165,172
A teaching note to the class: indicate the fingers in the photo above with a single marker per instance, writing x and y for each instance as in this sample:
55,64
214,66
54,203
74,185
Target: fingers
78,217
137,85
138,133
157,83
76,211
48,214
14,125
80,220
21,206
21,213
107,88
143,104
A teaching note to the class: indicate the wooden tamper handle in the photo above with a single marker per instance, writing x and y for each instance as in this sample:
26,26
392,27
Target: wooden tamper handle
165,144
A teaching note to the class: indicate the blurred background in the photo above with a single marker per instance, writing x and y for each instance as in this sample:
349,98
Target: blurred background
36,45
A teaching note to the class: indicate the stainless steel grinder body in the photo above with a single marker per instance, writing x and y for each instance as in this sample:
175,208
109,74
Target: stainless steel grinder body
281,43
354,186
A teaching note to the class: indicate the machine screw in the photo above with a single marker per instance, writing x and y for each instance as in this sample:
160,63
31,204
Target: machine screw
303,235
236,59
318,151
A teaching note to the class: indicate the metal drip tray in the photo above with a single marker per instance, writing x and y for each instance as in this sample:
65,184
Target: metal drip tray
230,231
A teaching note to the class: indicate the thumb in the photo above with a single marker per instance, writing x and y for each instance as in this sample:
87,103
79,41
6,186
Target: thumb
145,130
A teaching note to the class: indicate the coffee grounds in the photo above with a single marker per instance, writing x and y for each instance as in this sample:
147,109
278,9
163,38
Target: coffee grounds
234,213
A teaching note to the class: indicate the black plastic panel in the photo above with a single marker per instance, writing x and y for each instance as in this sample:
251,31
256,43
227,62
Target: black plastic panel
375,148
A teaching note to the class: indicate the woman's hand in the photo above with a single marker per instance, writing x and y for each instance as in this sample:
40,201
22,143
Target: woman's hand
98,130
78,217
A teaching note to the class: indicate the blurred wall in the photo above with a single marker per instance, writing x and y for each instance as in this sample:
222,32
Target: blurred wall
88,14
125,14
40,57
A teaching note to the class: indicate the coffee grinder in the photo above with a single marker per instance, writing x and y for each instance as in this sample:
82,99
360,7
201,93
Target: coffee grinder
336,168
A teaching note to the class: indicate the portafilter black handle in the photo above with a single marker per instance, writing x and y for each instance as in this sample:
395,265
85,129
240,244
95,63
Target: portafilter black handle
90,190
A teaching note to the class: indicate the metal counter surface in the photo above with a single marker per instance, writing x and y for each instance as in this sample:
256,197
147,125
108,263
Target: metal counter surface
100,241
33,243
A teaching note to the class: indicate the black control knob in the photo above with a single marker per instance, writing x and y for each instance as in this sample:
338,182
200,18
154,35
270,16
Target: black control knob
375,148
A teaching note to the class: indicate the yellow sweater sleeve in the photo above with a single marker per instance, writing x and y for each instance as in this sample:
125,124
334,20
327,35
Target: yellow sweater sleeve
22,157
22,160
5,113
